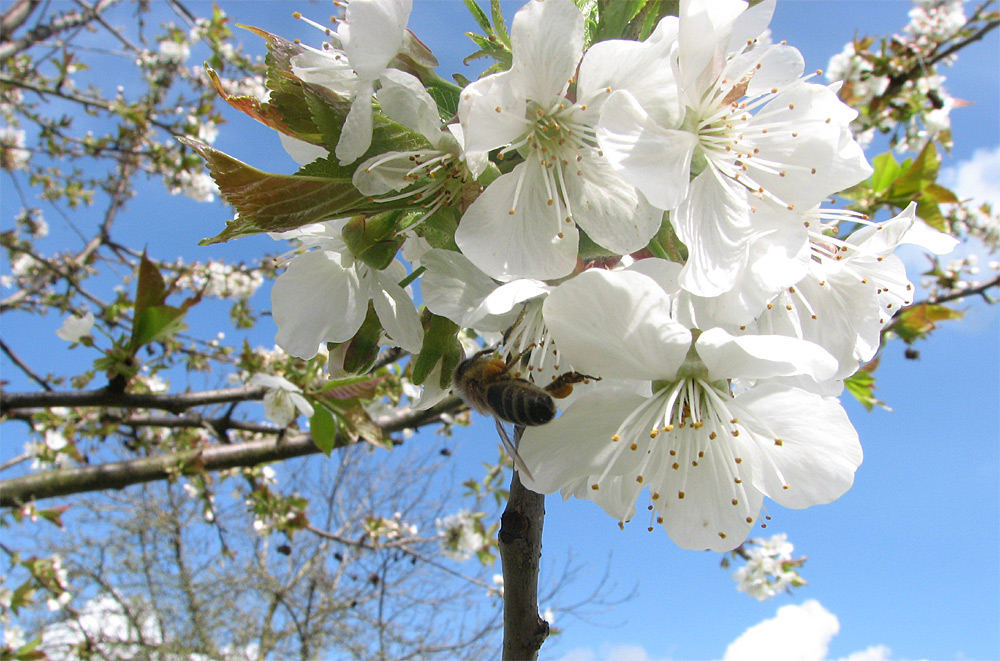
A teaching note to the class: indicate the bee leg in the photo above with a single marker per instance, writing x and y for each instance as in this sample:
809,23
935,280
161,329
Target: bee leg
511,449
562,385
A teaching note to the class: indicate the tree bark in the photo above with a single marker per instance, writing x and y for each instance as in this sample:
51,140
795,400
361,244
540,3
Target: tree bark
520,542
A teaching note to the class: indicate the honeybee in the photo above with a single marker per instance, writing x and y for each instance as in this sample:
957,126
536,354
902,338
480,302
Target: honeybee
494,387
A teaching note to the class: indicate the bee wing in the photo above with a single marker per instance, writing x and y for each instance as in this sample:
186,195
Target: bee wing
511,448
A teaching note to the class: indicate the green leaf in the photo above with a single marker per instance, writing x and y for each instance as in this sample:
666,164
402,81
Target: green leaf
479,16
151,289
440,345
914,323
153,320
323,429
921,173
861,385
268,202
886,170
154,324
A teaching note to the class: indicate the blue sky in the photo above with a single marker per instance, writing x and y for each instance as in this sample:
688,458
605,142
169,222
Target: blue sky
904,566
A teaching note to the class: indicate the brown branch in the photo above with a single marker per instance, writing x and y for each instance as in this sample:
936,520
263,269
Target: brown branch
175,403
15,17
62,23
24,366
979,289
520,542
118,475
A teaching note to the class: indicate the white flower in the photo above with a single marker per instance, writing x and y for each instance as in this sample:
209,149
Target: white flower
173,51
853,288
751,127
284,398
74,328
13,155
367,39
54,440
461,535
708,451
769,569
322,296
524,225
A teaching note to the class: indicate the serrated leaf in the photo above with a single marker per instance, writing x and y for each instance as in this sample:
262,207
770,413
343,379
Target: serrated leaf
151,290
358,387
268,202
479,16
323,429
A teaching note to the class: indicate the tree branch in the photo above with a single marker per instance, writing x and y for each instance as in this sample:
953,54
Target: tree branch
118,475
72,19
520,542
175,403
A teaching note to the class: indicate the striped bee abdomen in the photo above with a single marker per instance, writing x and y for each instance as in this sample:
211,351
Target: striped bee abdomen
520,402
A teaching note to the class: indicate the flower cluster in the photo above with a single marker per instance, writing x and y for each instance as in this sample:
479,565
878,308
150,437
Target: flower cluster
648,212
904,70
770,568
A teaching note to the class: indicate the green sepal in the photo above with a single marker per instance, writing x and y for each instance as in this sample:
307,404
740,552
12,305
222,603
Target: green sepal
362,349
374,240
440,345
861,385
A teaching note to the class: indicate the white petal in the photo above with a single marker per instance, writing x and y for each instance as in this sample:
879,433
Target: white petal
395,310
751,24
372,33
314,301
819,450
577,445
762,356
547,43
491,116
302,152
612,213
278,408
638,67
705,27
713,222
404,100
819,154
523,244
329,69
300,402
74,327
273,381
356,134
616,325
703,506
654,159
506,297
453,287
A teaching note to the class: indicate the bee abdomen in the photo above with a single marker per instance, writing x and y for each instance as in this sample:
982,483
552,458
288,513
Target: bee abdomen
527,405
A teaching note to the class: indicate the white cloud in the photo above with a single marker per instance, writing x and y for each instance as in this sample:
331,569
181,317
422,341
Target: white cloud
796,633
977,178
